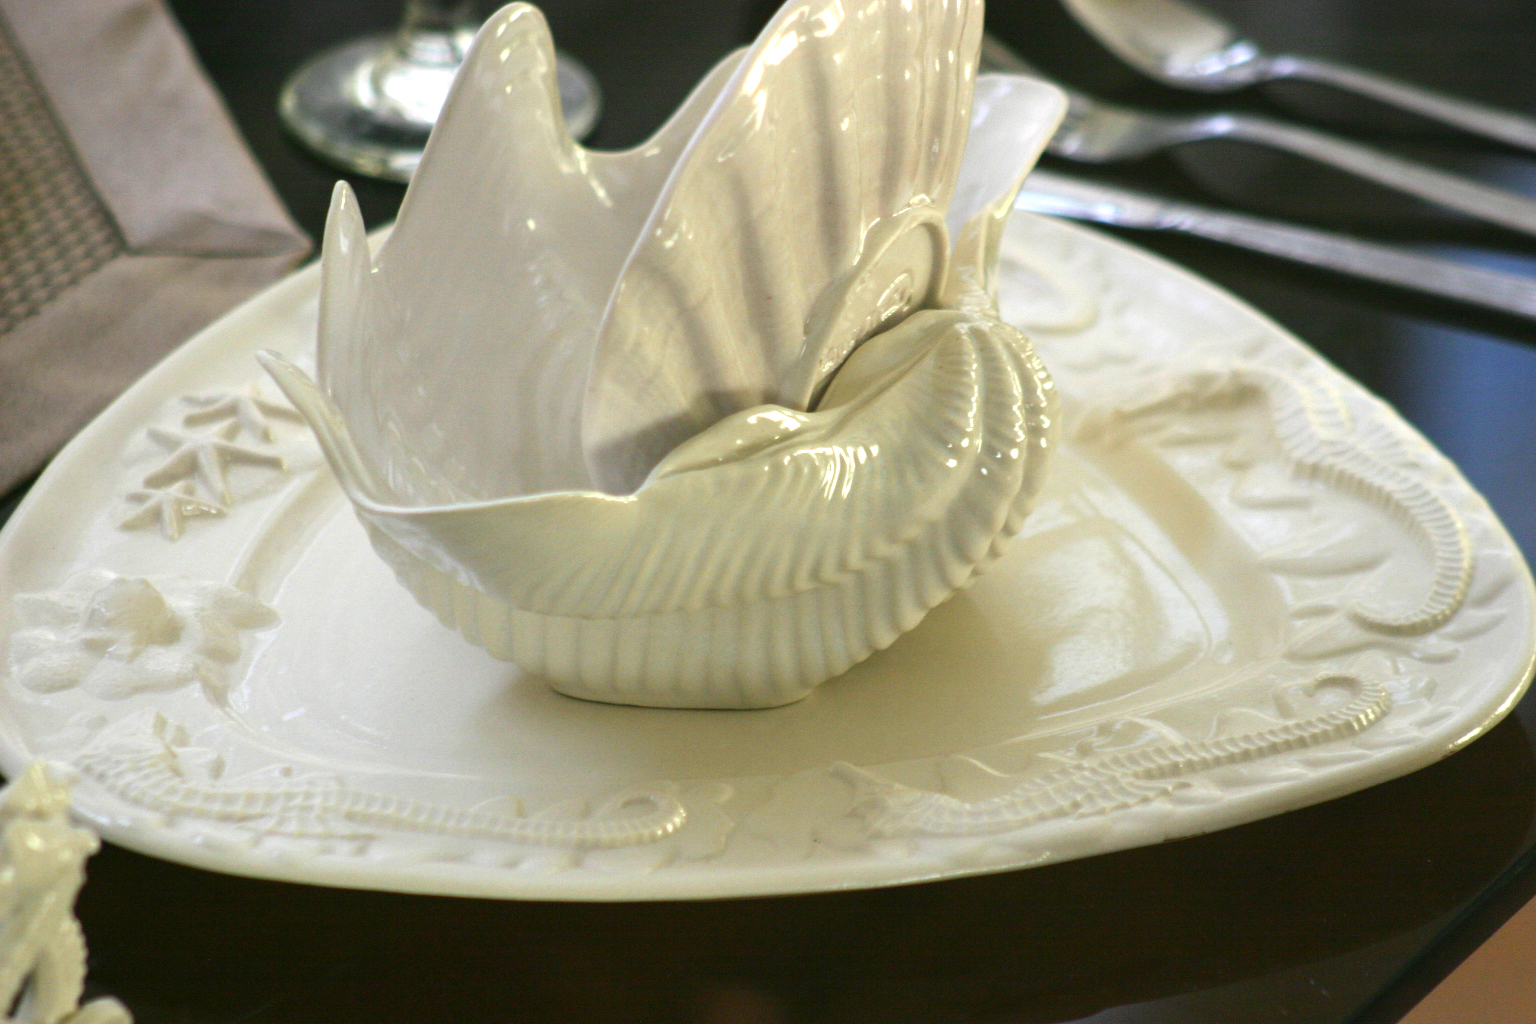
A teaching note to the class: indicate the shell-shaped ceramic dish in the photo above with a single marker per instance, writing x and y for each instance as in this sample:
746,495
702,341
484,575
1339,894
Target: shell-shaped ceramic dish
704,423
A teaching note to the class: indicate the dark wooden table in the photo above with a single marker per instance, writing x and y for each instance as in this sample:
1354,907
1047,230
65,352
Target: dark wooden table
1341,912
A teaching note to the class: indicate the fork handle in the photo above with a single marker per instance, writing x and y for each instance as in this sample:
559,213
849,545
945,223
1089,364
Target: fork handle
1490,122
1495,205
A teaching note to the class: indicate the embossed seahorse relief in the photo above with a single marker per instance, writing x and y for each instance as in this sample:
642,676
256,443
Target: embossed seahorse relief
1319,440
1111,782
143,760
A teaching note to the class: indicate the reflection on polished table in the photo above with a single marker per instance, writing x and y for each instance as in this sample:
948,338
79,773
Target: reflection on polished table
1347,911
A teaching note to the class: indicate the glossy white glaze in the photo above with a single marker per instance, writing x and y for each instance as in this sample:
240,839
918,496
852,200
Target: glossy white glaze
201,459
1182,601
147,760
1315,431
806,214
1090,782
722,519
767,554
42,867
117,637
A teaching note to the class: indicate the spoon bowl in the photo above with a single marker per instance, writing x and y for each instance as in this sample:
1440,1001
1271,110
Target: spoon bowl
1183,45
1177,43
1097,132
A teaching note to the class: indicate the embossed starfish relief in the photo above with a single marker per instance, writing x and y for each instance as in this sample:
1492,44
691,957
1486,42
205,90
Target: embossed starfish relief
205,459
238,412
167,508
192,479
707,422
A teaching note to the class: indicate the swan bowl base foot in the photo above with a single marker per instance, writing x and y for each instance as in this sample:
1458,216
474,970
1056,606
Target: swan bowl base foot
938,435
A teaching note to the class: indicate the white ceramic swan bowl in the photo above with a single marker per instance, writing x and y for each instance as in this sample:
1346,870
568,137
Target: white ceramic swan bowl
704,423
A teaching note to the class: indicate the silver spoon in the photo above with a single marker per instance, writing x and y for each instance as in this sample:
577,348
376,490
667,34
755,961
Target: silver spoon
1186,46
1096,132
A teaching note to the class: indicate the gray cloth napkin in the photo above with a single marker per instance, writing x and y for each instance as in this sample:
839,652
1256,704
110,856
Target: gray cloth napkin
131,212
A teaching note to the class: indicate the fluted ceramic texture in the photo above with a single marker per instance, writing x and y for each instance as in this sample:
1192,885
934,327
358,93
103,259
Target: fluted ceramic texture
682,593
841,118
498,272
723,464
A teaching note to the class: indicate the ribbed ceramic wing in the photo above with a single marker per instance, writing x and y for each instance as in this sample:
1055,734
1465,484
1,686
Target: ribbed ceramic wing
843,116
1012,119
458,355
798,543
805,425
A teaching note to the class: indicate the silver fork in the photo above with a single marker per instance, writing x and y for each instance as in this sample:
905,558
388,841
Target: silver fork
1097,132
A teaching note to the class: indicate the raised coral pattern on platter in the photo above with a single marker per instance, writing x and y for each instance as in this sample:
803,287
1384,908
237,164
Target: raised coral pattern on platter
116,636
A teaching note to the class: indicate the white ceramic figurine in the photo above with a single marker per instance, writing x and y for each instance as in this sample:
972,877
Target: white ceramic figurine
706,422
42,866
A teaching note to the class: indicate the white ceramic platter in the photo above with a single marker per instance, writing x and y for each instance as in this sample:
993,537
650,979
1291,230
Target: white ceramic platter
1249,587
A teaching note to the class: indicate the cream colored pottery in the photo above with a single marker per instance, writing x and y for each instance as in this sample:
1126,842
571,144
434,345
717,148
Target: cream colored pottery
1247,586
42,867
705,423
